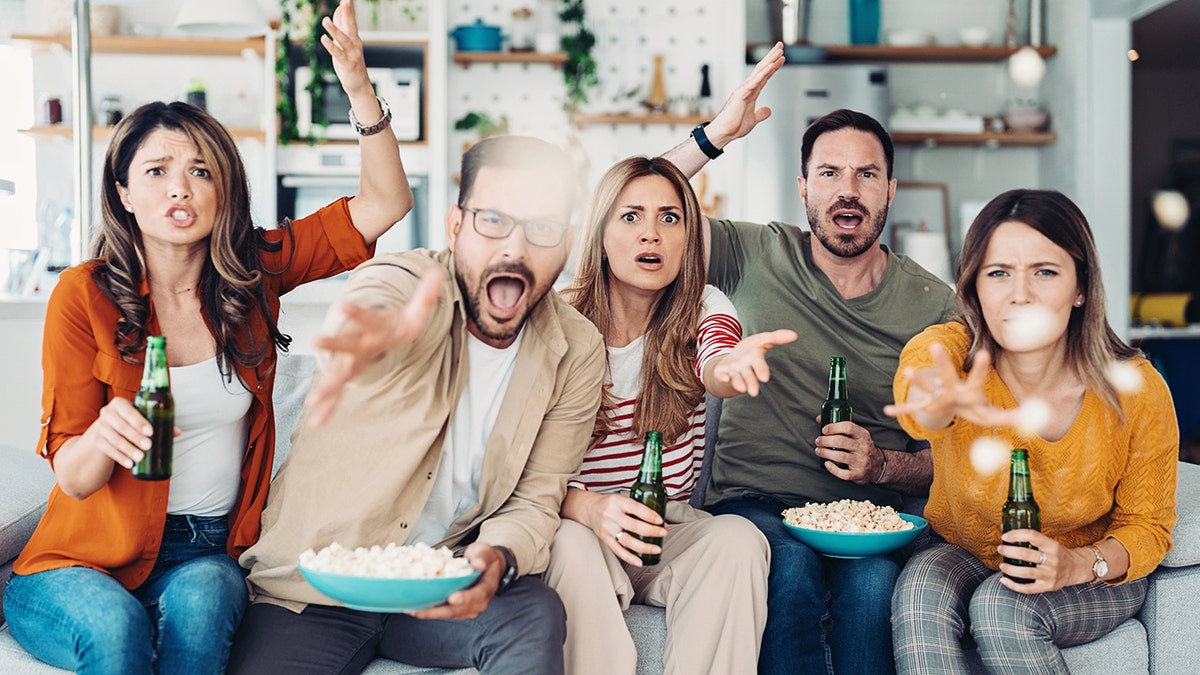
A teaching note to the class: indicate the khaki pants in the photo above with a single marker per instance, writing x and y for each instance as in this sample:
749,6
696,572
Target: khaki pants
712,581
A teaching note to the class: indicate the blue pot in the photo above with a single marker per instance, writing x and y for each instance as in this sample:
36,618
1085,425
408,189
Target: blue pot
477,37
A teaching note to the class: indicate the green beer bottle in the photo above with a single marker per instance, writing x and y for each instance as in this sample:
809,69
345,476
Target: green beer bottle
1020,511
156,404
836,407
649,489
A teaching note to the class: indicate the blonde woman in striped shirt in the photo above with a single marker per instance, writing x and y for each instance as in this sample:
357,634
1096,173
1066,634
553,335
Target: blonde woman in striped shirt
670,338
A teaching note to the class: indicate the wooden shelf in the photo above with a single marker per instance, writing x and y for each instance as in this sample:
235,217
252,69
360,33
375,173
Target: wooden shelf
988,138
465,59
924,54
584,120
103,133
918,54
155,46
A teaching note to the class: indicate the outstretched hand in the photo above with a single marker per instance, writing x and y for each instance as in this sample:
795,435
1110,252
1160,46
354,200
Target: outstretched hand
936,395
365,335
740,370
739,115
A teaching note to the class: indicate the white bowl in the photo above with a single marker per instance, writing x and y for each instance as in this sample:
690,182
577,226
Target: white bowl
974,36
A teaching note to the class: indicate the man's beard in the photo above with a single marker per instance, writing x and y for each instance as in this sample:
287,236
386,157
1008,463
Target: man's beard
475,298
849,244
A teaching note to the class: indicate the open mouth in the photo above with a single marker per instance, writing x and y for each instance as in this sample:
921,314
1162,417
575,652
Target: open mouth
504,294
847,219
180,216
649,261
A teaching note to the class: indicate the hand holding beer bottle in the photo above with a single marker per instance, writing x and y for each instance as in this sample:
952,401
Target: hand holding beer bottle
155,403
1020,511
648,489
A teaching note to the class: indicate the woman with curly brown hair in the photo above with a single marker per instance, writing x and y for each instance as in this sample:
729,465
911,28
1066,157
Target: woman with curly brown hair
124,575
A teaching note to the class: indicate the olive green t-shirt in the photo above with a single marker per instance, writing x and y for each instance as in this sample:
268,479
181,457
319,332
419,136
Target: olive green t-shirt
765,443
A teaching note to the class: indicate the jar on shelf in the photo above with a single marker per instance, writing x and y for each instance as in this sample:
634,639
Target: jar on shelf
521,31
547,38
110,110
52,110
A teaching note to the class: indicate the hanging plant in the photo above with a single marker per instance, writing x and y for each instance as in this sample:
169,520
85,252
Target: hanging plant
579,72
300,25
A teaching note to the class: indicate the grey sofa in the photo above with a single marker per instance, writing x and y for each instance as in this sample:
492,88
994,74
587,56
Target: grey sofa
1157,641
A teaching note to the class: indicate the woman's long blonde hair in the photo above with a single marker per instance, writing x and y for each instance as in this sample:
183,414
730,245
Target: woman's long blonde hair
670,388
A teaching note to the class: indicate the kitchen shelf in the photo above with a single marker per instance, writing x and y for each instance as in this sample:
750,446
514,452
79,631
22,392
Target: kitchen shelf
154,46
103,133
988,138
584,120
917,54
465,59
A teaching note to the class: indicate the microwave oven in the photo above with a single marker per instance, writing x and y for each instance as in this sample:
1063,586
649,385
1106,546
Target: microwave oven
400,87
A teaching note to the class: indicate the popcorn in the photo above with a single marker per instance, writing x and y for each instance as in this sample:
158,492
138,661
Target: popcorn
989,455
846,515
1033,417
417,561
1124,376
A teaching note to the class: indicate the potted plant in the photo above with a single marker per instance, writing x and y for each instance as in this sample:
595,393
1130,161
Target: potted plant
300,26
579,72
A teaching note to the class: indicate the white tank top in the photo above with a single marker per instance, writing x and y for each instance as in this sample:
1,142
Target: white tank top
212,415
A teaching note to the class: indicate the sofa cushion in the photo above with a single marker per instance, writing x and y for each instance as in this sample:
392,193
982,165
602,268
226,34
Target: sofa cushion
25,484
1187,529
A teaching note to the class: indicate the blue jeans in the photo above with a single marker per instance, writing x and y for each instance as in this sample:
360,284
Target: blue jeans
521,631
824,615
180,620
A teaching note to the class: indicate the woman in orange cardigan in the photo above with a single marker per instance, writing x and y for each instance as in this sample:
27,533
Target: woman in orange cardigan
1033,364
128,576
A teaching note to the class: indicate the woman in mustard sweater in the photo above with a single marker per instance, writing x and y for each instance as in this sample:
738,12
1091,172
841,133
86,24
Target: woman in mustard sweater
1033,363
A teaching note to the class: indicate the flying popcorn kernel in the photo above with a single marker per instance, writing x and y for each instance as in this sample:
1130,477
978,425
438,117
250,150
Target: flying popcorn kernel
1124,377
989,455
1033,416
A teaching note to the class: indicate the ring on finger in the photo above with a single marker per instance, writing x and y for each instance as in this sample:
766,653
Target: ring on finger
618,535
1042,559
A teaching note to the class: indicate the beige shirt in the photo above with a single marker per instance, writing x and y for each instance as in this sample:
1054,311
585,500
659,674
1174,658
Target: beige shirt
363,478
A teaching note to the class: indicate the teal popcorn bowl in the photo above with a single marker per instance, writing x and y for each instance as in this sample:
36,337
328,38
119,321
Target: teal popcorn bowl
380,594
857,544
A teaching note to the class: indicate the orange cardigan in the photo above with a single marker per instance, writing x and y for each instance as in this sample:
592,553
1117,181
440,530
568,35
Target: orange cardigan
1104,478
118,528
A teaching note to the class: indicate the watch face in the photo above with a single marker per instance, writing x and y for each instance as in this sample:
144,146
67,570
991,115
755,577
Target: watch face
1100,568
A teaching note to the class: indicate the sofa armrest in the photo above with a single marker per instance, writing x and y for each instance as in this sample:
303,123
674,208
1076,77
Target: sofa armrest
1186,535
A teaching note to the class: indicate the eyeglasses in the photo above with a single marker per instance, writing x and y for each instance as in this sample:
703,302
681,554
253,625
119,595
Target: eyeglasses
496,225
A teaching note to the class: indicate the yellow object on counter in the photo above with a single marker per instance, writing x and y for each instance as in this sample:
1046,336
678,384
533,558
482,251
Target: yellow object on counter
1161,309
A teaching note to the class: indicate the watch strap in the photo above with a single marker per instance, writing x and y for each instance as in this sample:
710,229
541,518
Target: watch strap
1100,567
376,127
510,571
711,151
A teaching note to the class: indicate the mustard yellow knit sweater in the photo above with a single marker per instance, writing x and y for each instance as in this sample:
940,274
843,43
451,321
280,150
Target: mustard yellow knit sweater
1102,479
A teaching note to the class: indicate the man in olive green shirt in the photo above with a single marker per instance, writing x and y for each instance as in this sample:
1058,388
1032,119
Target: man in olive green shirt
846,295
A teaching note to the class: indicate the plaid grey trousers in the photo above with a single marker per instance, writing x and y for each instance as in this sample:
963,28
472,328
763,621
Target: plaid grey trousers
946,599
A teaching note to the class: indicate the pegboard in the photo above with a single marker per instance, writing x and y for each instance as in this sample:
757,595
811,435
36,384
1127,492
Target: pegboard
628,34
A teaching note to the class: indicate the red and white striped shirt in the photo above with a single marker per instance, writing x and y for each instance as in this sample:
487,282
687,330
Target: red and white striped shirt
613,465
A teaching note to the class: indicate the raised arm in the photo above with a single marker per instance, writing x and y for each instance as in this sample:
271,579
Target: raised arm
736,119
384,196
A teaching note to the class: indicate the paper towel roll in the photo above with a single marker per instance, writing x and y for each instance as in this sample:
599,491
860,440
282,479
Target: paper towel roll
929,250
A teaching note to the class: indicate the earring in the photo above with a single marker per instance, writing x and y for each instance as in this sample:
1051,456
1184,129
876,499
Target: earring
129,208
1079,303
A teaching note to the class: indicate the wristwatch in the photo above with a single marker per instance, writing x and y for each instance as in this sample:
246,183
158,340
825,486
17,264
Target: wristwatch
706,146
1100,567
374,128
510,572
